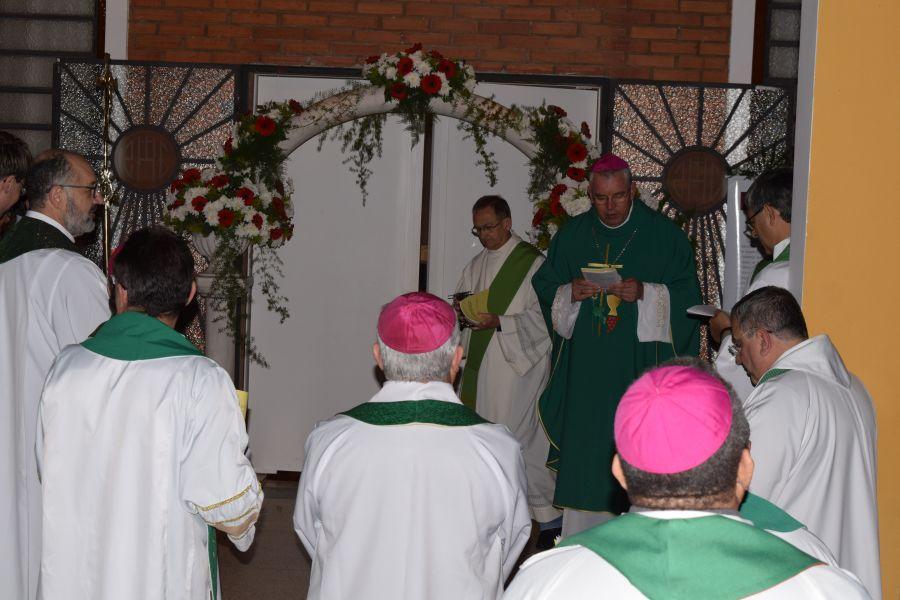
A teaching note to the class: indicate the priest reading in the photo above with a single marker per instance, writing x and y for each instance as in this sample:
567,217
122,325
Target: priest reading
412,495
141,446
607,337
684,457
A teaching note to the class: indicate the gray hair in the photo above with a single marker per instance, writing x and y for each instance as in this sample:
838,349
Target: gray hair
424,367
706,485
775,188
771,308
44,174
14,156
608,174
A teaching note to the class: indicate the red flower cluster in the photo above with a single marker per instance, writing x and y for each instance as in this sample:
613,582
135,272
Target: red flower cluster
431,84
246,195
264,126
198,203
447,67
585,130
191,175
226,217
296,107
560,112
576,174
399,91
278,205
275,233
538,217
372,59
258,220
556,208
219,181
404,66
576,152
414,48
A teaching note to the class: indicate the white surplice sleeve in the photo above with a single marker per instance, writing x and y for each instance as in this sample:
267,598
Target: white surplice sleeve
564,312
217,481
523,335
654,314
777,416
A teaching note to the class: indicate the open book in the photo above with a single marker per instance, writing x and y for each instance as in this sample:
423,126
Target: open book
602,276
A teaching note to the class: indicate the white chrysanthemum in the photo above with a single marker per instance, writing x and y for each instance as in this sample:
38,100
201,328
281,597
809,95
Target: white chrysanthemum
552,229
423,67
265,196
575,206
246,230
411,79
235,203
582,164
390,72
207,174
417,55
191,193
469,84
445,85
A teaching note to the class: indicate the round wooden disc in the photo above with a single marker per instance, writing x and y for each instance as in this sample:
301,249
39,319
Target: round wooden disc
146,158
694,179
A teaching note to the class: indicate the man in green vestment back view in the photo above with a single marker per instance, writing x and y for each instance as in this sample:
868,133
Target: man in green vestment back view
683,454
605,338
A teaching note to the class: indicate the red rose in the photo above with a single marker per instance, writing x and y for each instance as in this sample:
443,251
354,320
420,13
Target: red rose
398,91
177,185
560,112
435,55
575,173
257,220
556,208
264,126
198,203
576,152
275,233
431,84
404,66
178,203
228,147
191,175
558,190
278,206
585,130
245,195
372,59
538,217
414,48
219,181
448,68
296,107
226,217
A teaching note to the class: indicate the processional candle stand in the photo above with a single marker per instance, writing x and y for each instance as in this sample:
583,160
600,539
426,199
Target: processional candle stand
109,85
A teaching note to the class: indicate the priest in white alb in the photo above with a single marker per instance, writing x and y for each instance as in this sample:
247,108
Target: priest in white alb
683,456
812,424
508,351
141,446
50,297
768,217
412,495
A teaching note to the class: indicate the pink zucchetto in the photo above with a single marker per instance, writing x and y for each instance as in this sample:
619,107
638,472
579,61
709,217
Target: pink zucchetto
609,162
672,419
415,323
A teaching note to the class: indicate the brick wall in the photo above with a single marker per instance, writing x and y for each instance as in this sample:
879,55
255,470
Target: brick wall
648,39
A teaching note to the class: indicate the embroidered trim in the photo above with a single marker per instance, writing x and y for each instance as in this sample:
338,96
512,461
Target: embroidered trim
660,310
238,518
228,501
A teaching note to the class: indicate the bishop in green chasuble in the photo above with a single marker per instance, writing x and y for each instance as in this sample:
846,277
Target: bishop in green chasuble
605,353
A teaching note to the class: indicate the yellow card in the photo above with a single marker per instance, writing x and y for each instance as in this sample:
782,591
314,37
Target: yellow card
243,398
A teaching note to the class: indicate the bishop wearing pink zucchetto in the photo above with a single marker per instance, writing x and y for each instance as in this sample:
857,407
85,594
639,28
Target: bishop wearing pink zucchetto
412,495
683,456
610,323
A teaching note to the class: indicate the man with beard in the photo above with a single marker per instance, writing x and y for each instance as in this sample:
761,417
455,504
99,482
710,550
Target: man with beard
50,297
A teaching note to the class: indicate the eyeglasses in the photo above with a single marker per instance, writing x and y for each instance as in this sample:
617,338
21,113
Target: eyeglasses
94,189
749,228
477,231
734,349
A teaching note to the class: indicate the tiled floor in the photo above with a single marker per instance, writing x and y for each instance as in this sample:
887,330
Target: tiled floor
276,566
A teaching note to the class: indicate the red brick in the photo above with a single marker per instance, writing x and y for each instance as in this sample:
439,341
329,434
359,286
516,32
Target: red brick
205,16
235,58
148,3
380,37
654,4
478,12
673,47
359,50
330,34
601,31
651,60
330,7
579,15
429,9
455,25
654,33
140,28
506,27
507,55
677,74
527,14
253,45
715,62
691,62
256,18
582,43
189,56
476,40
144,41
713,48
355,21
185,28
716,21
288,5
706,35
154,14
627,17
551,28
412,24
304,47
704,6
189,3
689,19
714,76
157,55
526,41
303,20
380,8
232,31
531,68
609,43
237,4
278,33
207,43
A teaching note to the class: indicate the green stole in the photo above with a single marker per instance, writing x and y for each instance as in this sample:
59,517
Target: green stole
434,412
770,374
32,234
713,557
133,336
501,292
783,256
766,515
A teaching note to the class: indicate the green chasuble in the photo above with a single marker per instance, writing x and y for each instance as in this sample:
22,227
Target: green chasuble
406,412
712,557
32,234
500,294
134,336
591,371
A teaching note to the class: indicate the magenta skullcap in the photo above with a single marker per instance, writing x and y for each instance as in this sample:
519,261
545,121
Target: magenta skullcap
672,419
415,323
609,162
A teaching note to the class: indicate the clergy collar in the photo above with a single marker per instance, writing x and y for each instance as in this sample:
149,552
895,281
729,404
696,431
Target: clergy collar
50,221
780,246
620,225
398,391
658,513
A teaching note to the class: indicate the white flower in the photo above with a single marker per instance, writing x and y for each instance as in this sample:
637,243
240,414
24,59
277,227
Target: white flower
191,193
390,72
575,206
411,79
445,85
552,229
422,66
469,84
582,164
265,196
246,230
